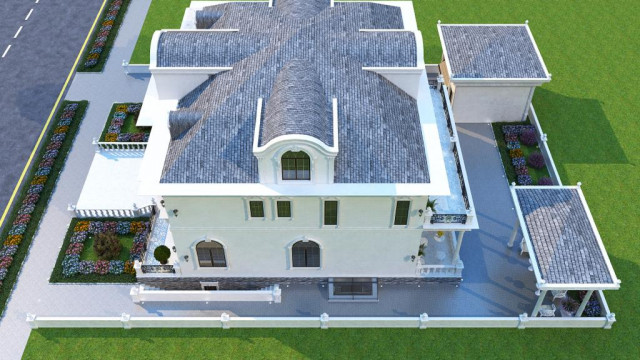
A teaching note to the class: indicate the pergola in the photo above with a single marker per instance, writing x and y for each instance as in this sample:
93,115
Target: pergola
564,246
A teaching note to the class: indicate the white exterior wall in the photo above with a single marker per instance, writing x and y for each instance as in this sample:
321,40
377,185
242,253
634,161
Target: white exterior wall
485,104
365,243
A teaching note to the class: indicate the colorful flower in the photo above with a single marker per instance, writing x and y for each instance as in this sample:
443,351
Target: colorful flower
86,267
102,267
81,226
128,267
70,265
95,227
13,240
75,249
8,250
39,180
5,262
111,137
116,267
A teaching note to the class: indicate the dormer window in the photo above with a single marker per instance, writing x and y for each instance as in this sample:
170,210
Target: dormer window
296,165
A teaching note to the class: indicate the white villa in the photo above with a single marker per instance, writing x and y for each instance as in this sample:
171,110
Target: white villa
307,142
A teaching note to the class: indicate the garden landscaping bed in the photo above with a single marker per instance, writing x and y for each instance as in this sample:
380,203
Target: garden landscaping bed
121,124
97,51
521,157
24,219
79,263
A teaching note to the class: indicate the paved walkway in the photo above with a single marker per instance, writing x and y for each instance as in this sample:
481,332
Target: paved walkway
33,293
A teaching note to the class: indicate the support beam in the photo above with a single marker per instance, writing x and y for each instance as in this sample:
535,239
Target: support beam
536,309
584,303
514,234
456,255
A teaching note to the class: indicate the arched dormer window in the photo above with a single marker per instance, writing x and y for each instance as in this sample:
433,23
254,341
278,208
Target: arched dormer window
211,254
296,166
305,254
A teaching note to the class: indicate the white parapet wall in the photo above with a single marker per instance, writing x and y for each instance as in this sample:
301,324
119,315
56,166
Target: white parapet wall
140,294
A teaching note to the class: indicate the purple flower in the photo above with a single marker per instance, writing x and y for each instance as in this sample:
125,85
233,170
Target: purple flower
545,181
524,180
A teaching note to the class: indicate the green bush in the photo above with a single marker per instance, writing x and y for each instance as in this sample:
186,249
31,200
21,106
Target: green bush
107,246
162,254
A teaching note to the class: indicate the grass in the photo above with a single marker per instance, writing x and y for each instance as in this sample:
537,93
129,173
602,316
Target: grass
509,170
102,60
125,240
129,125
45,195
589,111
88,254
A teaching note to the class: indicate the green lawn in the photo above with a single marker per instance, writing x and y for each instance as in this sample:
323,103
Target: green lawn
589,111
125,240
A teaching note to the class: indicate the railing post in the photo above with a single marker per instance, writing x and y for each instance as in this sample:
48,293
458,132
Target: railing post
31,320
277,294
125,319
137,265
224,319
428,214
324,321
522,319
611,318
125,66
424,319
135,294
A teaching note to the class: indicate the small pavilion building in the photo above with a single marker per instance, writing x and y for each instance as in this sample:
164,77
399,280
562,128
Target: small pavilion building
564,246
491,71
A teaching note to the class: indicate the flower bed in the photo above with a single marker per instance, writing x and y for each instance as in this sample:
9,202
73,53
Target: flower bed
97,51
74,261
121,124
22,223
523,163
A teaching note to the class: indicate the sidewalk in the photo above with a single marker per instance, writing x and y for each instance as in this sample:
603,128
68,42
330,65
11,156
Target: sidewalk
33,291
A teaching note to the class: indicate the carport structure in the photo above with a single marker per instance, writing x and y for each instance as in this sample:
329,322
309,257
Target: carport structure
564,246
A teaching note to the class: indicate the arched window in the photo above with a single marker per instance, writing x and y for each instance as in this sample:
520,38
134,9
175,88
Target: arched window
305,254
211,254
296,166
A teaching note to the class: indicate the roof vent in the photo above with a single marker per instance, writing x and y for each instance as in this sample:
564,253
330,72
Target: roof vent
181,121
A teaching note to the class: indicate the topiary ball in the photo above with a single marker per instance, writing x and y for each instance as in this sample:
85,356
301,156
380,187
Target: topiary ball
162,254
536,160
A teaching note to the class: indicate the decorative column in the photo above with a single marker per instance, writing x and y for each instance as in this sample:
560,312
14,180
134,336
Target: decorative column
584,303
456,255
514,234
536,309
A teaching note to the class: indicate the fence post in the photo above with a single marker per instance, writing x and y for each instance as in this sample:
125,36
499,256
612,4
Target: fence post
611,318
135,294
277,294
522,319
125,319
137,265
424,319
324,321
224,319
125,66
31,320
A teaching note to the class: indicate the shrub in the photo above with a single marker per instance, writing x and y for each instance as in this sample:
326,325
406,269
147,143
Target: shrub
162,254
515,153
528,137
524,180
570,305
545,181
536,160
107,246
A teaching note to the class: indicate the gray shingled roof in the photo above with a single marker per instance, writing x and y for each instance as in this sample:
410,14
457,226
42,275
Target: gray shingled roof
563,240
379,128
500,51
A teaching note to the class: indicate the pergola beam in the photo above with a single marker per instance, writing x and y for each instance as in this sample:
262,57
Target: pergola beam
583,305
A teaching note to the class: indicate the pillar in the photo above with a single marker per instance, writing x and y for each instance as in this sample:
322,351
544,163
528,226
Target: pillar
584,303
514,234
536,309
456,255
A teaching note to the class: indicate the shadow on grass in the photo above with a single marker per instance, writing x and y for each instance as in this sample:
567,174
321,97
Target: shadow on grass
579,131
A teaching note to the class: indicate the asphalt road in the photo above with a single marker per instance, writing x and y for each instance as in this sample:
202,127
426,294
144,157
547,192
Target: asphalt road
33,71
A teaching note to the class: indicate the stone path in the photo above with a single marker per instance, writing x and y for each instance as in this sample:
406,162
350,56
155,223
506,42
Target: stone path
33,293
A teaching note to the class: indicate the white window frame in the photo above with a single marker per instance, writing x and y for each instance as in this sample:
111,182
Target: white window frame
196,260
290,254
322,224
394,205
247,208
274,205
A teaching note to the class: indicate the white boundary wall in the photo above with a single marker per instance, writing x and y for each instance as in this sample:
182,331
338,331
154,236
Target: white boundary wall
225,321
140,295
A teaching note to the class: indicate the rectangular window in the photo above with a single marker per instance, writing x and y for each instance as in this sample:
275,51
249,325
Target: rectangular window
331,212
256,209
353,289
284,209
402,213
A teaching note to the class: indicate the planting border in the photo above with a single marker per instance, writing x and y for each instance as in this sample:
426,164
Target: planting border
45,196
104,55
145,129
56,275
